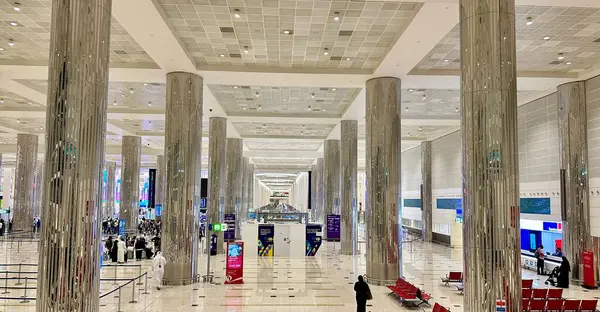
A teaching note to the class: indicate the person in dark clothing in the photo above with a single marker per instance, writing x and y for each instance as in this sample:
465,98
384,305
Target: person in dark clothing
563,273
362,294
539,255
140,245
108,244
114,252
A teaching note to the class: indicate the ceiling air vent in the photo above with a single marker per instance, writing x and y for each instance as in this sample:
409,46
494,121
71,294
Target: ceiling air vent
249,99
235,55
345,33
120,52
245,87
319,101
421,90
228,30
336,58
324,89
555,62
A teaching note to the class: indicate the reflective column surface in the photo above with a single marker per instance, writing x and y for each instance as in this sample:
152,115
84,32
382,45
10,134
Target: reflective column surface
320,208
313,192
111,183
233,189
349,166
130,182
39,188
382,208
331,179
183,147
572,135
23,202
426,191
250,176
161,180
69,245
217,134
492,262
244,202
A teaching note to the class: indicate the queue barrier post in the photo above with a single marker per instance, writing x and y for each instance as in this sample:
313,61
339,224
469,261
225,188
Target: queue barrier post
133,292
146,285
119,304
6,283
19,276
140,274
25,300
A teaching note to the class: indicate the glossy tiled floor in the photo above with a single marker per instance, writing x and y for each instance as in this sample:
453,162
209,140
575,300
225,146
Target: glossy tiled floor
322,283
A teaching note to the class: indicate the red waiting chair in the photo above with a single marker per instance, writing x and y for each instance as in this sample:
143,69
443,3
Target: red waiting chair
525,304
588,305
540,293
439,308
527,283
555,305
526,293
537,305
571,305
555,293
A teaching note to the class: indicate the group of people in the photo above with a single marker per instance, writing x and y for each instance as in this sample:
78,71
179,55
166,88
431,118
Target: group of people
149,227
562,272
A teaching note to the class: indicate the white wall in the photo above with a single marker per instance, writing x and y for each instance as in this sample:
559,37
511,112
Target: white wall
539,154
299,192
446,173
262,194
411,182
593,116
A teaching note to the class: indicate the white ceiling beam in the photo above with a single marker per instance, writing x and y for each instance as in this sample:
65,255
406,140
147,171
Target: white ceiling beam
145,21
277,154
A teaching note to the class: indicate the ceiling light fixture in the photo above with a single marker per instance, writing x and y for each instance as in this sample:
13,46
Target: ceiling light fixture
334,89
115,103
14,24
411,90
149,103
529,21
131,90
446,61
561,56
326,51
309,108
222,55
17,6
287,32
236,13
235,87
456,109
18,121
1,101
313,95
11,42
336,16
256,94
245,49
144,84
259,107
568,63
546,38
420,129
348,59
406,108
1,49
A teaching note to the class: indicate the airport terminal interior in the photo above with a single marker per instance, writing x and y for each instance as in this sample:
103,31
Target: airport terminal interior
299,155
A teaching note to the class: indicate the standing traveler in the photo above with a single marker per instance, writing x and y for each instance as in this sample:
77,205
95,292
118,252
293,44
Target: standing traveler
2,226
563,273
158,267
539,254
121,250
363,293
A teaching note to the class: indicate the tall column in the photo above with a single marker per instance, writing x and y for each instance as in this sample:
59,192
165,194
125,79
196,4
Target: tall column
426,191
130,182
492,259
69,247
331,179
384,252
183,146
233,189
217,133
250,183
572,129
160,180
39,188
320,192
111,186
349,164
27,148
313,192
244,203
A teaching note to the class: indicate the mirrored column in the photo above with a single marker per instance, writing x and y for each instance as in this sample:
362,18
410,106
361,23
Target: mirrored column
572,132
183,147
313,193
250,182
426,191
349,165
492,257
27,148
160,180
382,207
130,182
233,189
245,175
69,246
111,188
331,179
217,140
39,188
320,209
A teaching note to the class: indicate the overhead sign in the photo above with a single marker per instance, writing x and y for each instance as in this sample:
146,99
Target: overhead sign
151,188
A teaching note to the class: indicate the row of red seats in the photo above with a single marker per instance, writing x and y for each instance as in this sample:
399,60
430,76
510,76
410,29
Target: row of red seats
542,293
409,293
561,305
439,308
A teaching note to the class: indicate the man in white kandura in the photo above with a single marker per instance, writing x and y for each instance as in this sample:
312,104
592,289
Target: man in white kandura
121,250
158,267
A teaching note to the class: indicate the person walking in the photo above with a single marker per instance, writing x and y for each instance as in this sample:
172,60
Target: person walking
563,273
121,250
363,293
158,268
539,254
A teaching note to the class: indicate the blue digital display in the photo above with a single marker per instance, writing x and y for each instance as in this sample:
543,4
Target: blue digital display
158,210
412,202
449,203
203,203
535,205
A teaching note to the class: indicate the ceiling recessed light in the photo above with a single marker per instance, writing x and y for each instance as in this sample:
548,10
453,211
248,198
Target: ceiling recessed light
348,59
546,38
115,103
284,100
259,107
406,108
309,107
411,90
17,6
324,110
336,16
243,108
446,61
131,90
256,94
1,49
18,121
334,89
245,49
149,103
235,87
420,129
13,23
456,109
144,84
222,55
568,63
236,13
11,42
561,56
287,32
1,101
326,51
529,21
312,95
